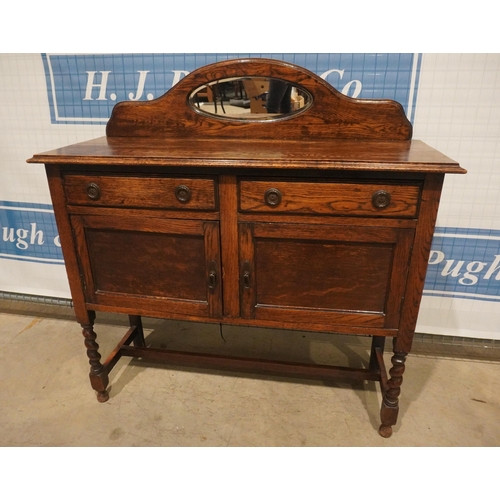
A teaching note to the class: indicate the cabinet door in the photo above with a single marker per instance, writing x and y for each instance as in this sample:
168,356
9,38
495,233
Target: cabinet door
150,265
331,275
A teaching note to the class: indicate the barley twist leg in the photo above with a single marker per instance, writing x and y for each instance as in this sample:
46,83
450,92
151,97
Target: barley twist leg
98,374
390,402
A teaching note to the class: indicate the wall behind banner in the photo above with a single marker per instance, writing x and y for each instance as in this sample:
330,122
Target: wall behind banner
453,100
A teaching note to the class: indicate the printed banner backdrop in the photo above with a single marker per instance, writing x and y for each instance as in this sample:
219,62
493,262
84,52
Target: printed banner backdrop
29,233
48,101
84,88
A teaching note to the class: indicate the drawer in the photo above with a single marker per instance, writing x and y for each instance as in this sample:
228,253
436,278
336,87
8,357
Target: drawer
329,198
141,192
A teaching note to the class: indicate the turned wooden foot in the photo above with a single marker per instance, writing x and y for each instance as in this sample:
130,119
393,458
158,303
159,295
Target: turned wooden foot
385,431
98,375
390,400
102,396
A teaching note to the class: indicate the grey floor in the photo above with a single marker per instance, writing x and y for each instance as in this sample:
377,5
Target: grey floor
449,397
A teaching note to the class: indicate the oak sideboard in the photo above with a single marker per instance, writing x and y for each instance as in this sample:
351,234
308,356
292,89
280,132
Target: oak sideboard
251,193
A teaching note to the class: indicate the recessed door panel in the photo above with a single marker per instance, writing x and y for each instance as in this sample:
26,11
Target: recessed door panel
172,265
341,274
347,276
150,264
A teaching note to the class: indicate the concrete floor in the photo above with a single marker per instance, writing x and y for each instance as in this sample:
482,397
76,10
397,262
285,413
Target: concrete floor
449,395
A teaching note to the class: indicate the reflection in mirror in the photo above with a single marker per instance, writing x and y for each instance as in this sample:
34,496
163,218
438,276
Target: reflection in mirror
250,98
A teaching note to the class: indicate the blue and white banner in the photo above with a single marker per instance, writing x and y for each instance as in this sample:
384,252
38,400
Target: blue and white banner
28,233
84,88
464,263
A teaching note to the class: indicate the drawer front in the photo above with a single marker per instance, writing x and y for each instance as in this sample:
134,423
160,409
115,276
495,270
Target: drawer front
141,192
329,198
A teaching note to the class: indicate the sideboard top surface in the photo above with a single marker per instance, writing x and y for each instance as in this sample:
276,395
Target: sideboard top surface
409,156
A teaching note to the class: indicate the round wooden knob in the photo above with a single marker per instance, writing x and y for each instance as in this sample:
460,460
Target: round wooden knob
273,197
381,199
93,191
183,193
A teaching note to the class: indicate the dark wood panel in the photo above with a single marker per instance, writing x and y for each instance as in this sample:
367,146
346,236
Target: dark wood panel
173,263
322,274
152,264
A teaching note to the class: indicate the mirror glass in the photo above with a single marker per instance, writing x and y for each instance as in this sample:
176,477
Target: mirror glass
250,98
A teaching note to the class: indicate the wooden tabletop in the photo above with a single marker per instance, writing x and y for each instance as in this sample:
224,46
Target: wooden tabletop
408,156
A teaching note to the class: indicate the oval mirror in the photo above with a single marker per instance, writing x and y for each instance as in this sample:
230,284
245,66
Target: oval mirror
250,98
